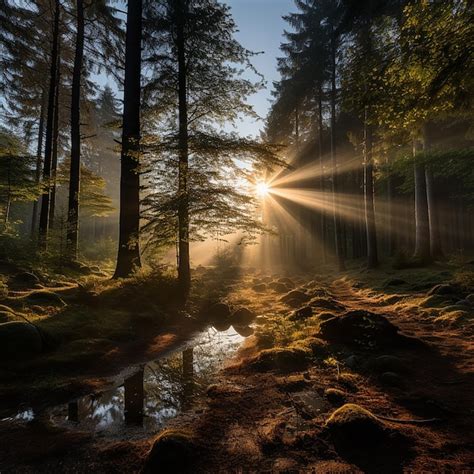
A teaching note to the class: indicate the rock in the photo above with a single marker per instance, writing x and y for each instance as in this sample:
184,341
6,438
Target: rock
218,312
242,317
391,379
278,287
244,331
352,361
353,424
324,316
281,359
47,298
260,287
464,302
359,327
335,396
221,326
286,281
19,340
295,298
266,279
173,451
327,303
394,282
470,298
388,363
25,279
293,383
318,347
302,313
444,289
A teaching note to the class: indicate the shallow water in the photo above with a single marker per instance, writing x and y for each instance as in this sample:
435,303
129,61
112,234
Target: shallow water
155,392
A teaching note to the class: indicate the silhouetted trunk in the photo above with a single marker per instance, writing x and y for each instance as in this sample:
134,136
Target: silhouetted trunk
422,231
391,244
435,234
54,157
75,168
184,273
372,255
338,243
39,161
321,172
44,214
129,246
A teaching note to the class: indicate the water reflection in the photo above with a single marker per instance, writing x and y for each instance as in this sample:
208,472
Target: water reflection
158,391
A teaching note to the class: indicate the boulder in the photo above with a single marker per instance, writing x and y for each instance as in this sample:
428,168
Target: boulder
281,359
335,396
19,340
286,281
295,298
394,282
359,327
173,451
391,379
327,303
353,424
244,331
218,312
470,298
278,287
260,287
24,279
444,289
46,298
242,317
302,313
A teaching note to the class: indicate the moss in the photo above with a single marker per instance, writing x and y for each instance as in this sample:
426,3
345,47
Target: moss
281,359
335,396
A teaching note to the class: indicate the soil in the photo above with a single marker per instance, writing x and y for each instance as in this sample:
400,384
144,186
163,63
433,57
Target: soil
261,418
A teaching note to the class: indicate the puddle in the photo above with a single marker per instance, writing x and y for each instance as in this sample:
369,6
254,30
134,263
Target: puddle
155,392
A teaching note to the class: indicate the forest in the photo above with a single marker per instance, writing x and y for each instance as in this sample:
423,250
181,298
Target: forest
234,239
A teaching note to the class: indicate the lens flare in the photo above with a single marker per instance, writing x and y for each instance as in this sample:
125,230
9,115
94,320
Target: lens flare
262,189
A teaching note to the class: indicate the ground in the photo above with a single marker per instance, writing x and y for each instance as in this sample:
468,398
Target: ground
365,371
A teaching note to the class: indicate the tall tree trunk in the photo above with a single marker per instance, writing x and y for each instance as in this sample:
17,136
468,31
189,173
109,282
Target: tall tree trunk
39,161
184,272
75,169
337,220
54,157
44,214
372,255
129,246
321,172
435,234
391,244
9,193
422,230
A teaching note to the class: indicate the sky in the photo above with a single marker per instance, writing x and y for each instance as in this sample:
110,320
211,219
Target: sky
261,28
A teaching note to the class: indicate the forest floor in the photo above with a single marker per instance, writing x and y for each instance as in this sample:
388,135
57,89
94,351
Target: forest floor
365,371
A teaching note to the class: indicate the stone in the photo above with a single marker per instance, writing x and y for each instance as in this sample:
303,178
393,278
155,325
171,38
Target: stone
278,287
218,312
281,359
25,278
47,298
19,340
335,396
242,317
260,287
286,281
244,331
173,451
302,313
388,363
391,379
470,298
295,298
327,303
444,289
359,327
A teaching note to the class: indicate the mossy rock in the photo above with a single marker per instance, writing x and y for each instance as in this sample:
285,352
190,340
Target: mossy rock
318,347
24,279
435,301
302,313
281,359
327,303
392,379
278,287
335,396
47,298
242,317
173,451
286,281
260,287
352,423
362,328
217,312
295,298
244,331
19,340
444,289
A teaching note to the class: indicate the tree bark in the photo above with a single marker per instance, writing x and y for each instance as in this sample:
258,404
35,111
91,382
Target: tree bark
422,230
337,221
45,199
54,154
39,161
128,257
372,254
321,172
75,167
184,272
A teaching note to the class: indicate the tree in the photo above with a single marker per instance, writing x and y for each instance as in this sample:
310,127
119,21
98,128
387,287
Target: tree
128,257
